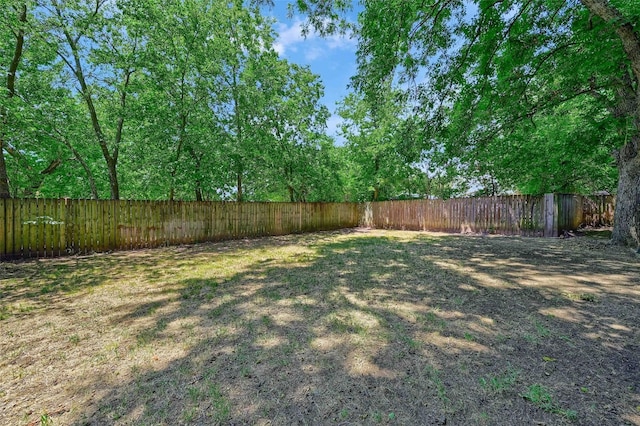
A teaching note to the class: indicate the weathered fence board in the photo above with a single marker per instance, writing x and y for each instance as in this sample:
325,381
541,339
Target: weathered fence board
46,228
598,210
570,215
522,215
526,215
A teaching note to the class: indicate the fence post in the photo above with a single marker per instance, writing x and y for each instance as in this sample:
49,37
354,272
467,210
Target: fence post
366,217
3,229
70,242
550,215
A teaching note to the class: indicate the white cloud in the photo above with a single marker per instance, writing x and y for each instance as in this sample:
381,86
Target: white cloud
291,39
313,53
338,41
279,48
289,36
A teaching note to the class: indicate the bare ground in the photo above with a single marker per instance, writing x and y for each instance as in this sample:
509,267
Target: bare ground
353,327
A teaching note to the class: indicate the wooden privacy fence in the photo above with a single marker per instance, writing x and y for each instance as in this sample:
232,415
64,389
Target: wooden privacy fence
526,215
598,210
47,228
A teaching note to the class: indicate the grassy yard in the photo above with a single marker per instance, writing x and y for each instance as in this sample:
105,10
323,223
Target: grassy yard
353,327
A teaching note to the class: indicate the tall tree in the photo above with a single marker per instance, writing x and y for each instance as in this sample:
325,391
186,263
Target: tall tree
146,99
184,48
101,55
382,151
292,122
236,96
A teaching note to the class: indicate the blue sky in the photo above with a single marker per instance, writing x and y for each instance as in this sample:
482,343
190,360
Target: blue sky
332,58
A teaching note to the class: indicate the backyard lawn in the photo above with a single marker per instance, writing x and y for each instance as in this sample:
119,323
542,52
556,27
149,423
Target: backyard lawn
349,327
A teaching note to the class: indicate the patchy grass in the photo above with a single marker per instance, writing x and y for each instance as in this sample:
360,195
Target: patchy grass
540,396
352,327
500,383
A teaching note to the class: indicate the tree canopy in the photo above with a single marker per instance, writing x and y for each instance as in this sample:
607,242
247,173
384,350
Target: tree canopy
189,100
155,100
531,94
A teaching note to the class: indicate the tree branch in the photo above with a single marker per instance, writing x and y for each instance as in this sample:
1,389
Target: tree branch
624,28
17,53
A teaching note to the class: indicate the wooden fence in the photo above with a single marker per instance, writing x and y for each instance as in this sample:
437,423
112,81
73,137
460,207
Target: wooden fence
47,228
598,210
547,215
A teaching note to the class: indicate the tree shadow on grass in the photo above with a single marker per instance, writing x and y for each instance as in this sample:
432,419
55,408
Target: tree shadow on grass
379,330
382,328
27,285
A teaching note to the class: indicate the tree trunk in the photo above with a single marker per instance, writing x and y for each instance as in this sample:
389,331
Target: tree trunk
97,128
112,160
113,179
237,111
292,197
239,188
626,218
174,170
376,189
11,91
198,167
77,68
85,167
37,182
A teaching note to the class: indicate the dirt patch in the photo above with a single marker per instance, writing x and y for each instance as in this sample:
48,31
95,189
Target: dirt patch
358,327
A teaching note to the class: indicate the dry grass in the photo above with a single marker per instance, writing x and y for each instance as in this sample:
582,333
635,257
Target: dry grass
358,327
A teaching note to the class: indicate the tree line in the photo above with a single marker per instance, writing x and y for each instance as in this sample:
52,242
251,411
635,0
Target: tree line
151,99
147,99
